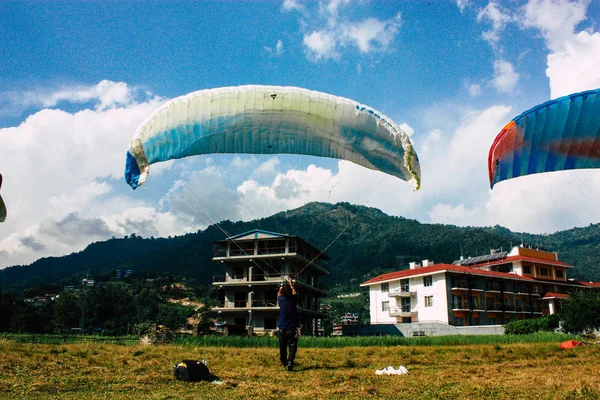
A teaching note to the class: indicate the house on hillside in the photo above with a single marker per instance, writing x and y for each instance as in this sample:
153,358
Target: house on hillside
256,263
488,290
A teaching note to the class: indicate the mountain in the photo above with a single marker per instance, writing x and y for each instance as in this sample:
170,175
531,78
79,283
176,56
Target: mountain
362,242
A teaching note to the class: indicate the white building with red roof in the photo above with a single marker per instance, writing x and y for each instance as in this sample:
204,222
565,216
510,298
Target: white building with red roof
482,291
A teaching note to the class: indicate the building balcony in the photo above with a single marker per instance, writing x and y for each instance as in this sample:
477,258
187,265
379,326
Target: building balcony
400,312
494,307
402,292
528,309
459,285
263,280
259,305
243,305
245,254
494,287
460,306
254,278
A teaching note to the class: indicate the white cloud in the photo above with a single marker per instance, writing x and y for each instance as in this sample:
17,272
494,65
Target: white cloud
329,33
545,203
246,162
372,34
79,197
454,164
277,50
474,89
267,167
462,4
576,67
146,221
204,198
320,45
575,56
505,77
106,94
459,215
556,19
64,169
290,5
498,17
431,140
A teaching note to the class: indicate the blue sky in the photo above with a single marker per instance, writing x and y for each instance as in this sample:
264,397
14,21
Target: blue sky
76,78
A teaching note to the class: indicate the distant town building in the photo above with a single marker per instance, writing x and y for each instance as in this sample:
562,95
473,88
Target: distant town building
88,282
39,301
488,290
348,319
345,296
123,273
256,264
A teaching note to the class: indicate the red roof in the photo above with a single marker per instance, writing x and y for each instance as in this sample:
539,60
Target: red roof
530,259
443,268
589,284
551,295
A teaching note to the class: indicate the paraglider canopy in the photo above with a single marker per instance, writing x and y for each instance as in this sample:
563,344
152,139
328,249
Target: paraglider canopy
2,205
558,135
271,120
569,344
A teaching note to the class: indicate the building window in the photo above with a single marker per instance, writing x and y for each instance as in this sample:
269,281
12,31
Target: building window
406,320
544,271
456,301
405,305
427,280
428,301
459,321
559,273
385,287
385,306
405,285
492,321
526,269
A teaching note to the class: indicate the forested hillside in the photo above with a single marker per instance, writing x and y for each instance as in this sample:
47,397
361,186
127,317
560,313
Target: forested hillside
361,241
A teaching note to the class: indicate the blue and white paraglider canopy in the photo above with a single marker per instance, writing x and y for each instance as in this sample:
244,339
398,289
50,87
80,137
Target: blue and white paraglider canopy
271,120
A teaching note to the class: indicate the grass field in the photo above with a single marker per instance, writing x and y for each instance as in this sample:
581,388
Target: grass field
532,369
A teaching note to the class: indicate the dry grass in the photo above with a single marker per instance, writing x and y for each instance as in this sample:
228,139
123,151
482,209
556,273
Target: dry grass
103,371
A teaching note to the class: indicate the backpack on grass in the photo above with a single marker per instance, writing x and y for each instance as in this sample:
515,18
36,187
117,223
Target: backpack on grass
192,371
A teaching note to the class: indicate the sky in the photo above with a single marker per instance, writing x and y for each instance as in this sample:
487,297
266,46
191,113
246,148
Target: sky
77,78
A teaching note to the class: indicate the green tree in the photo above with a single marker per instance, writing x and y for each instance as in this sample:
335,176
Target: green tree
581,312
66,312
7,306
28,317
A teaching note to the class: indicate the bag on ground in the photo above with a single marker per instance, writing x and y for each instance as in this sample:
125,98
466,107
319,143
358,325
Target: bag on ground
192,371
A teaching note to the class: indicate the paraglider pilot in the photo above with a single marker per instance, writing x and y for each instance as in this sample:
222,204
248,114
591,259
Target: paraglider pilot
288,324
